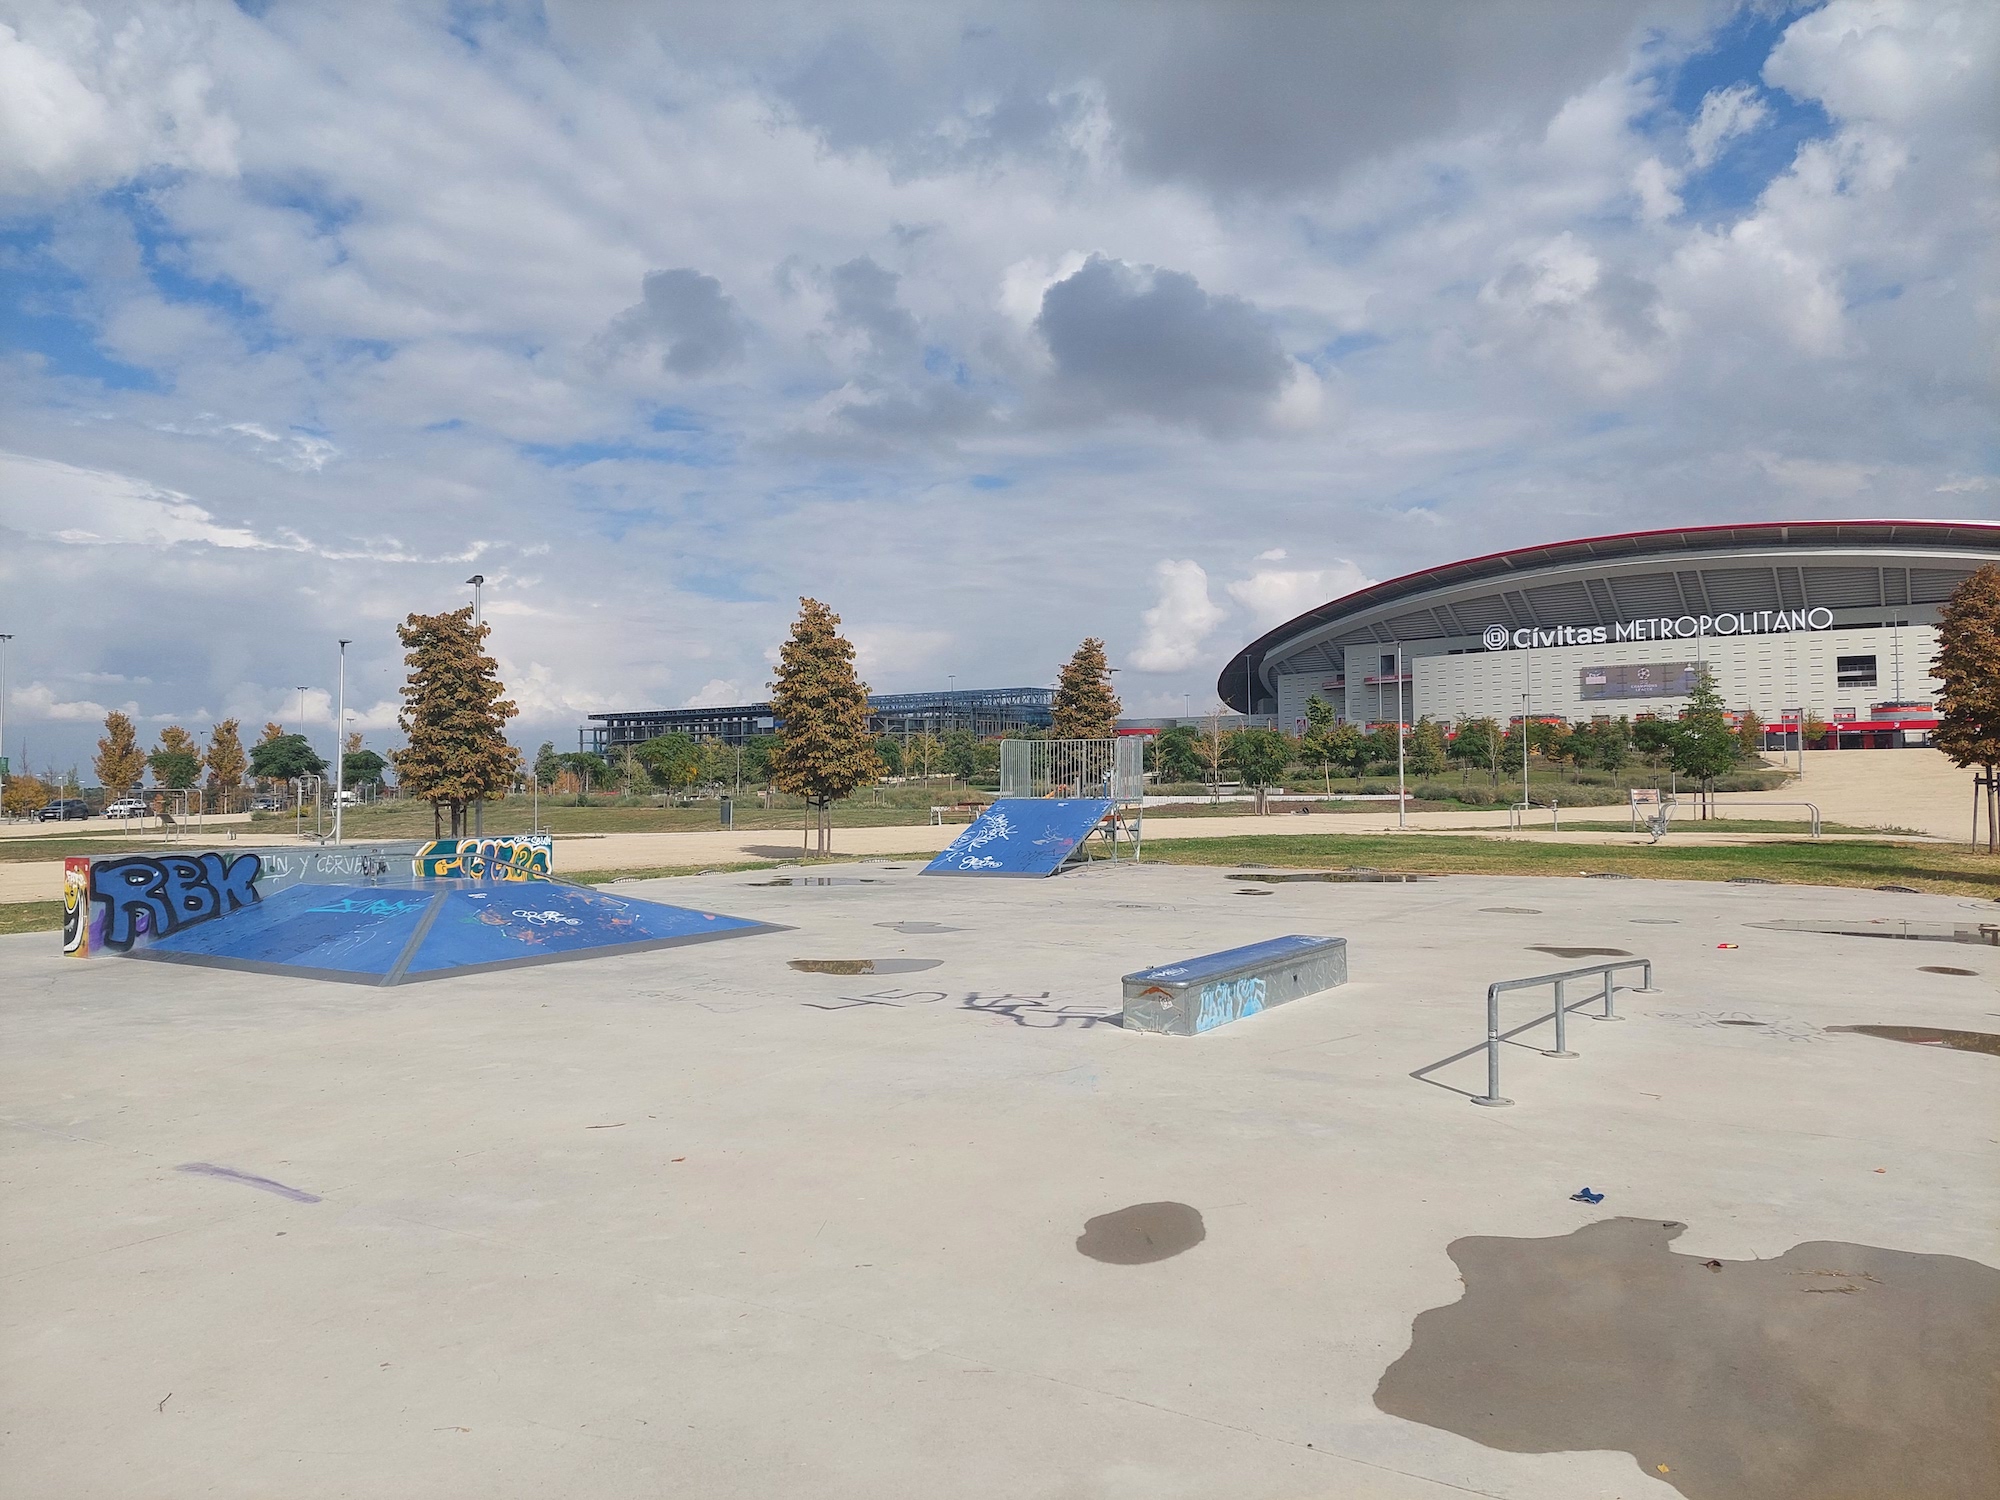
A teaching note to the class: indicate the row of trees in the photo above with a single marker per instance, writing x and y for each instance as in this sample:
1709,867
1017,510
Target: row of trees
178,762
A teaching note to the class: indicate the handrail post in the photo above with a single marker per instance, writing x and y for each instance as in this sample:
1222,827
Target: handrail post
1562,1040
1492,1097
1609,986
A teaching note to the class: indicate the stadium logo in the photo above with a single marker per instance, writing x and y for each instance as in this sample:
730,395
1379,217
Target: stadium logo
1496,637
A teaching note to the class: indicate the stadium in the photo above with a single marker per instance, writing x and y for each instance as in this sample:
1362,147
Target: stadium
1829,619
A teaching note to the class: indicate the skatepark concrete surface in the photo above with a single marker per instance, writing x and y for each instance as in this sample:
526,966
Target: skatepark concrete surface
693,1222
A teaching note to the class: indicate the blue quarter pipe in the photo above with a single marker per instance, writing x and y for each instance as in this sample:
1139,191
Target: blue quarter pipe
1021,836
434,929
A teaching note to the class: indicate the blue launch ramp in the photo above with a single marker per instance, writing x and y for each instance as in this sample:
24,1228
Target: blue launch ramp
434,929
1022,836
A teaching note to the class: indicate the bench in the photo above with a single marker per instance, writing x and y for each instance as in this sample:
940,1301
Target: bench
1200,994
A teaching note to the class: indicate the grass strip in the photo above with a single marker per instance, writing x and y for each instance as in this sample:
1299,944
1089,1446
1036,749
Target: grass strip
1921,867
31,916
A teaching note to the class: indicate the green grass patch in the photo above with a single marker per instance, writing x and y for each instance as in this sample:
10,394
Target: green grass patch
31,916
1922,867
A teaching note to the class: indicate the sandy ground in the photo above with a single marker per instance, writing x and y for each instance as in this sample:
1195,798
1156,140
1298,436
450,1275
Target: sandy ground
1917,790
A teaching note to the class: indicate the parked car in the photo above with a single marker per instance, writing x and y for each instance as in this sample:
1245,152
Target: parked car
268,804
65,810
350,798
126,807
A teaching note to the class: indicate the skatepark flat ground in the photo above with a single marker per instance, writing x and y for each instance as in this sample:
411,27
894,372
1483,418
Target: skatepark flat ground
691,1222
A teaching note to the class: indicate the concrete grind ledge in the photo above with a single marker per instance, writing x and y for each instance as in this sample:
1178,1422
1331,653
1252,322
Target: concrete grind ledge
1195,995
693,1222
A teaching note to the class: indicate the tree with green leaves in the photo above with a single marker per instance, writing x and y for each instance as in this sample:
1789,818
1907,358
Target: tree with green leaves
225,761
548,765
362,768
284,757
825,750
1967,667
590,770
176,761
889,750
120,763
961,753
1085,707
455,715
1424,755
1260,757
1475,742
1320,715
1174,755
671,761
922,754
1703,746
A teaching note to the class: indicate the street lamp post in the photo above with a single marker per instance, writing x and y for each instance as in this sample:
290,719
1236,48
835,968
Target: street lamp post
339,747
478,581
1401,796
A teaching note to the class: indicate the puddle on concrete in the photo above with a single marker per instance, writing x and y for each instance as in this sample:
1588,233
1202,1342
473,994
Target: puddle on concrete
1605,875
863,965
1337,877
1727,1021
1900,890
1778,1390
1141,1234
1947,969
913,929
1256,893
818,880
1578,952
1655,922
1514,911
1749,880
1932,1036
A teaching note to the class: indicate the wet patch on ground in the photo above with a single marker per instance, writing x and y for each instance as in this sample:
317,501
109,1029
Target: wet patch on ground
1551,948
914,929
1142,1234
1514,911
1947,969
1931,1036
818,880
863,965
1655,921
1834,1370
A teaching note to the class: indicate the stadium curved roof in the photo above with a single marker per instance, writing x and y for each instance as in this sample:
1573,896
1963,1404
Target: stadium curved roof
1589,579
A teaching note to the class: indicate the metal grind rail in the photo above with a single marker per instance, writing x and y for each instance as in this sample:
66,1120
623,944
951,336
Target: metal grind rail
1561,982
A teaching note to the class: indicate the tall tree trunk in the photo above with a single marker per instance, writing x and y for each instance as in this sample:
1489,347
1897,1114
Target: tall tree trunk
437,821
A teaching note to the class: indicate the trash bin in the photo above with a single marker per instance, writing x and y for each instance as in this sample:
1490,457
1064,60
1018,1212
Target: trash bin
728,812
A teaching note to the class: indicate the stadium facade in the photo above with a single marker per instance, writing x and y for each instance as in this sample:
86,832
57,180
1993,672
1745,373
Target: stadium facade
1834,619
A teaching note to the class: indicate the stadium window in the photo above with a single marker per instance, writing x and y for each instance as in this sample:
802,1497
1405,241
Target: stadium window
1854,671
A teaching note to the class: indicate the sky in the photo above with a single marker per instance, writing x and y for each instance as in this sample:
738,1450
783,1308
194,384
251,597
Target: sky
993,326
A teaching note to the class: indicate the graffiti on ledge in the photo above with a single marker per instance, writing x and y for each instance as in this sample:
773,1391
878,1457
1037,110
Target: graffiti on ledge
1228,1000
76,905
159,895
510,857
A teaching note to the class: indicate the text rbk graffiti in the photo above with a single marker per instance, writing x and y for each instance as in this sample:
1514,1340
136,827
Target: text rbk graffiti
156,896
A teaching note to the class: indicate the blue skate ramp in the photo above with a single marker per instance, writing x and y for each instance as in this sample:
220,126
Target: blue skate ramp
434,929
1021,836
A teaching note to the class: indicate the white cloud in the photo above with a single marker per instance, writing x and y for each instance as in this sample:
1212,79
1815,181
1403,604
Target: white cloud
36,700
1726,114
89,507
719,692
1176,628
1273,595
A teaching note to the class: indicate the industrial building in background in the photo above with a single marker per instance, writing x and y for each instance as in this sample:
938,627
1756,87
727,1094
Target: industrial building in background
1834,620
986,712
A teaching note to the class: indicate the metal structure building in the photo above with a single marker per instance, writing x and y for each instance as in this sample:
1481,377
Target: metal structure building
986,712
1830,618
